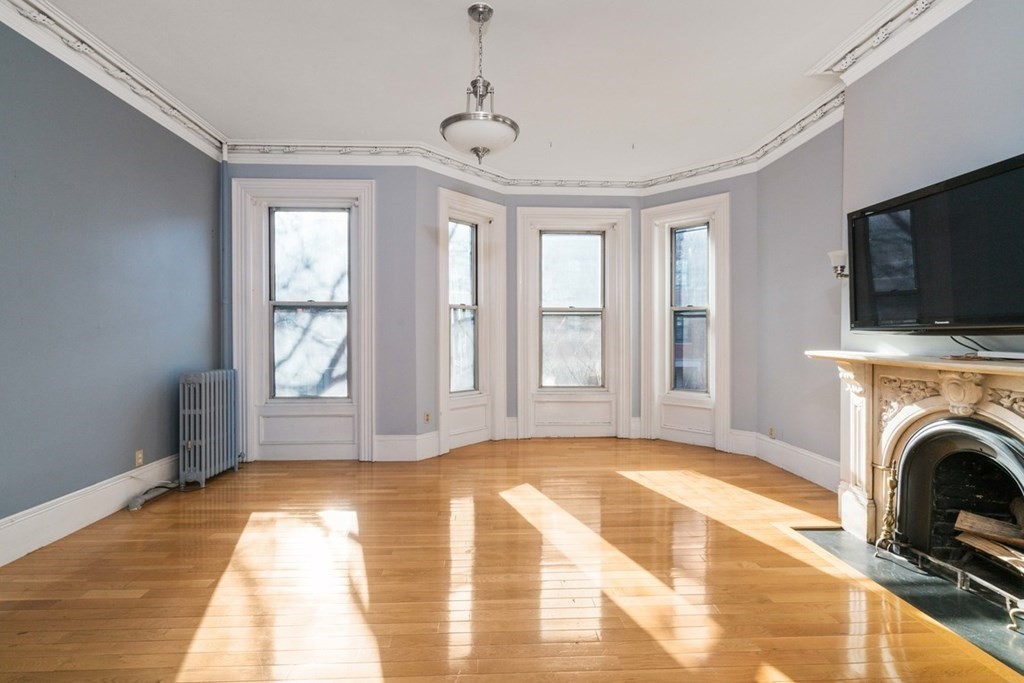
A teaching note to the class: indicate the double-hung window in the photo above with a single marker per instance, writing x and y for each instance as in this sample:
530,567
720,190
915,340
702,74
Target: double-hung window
309,302
688,308
684,322
572,309
574,331
463,310
471,321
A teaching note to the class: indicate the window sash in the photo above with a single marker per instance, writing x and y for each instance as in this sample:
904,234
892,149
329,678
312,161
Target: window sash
565,363
331,377
586,299
688,360
469,311
456,369
323,338
688,371
454,264
689,283
344,283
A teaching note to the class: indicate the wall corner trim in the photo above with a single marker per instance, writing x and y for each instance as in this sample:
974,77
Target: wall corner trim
29,530
742,442
405,447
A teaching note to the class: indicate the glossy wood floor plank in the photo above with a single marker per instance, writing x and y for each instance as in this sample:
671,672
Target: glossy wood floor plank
591,560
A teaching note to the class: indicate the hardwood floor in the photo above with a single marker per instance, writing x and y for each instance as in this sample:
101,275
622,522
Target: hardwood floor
542,560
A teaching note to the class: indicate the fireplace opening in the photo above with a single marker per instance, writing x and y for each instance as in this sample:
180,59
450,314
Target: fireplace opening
959,465
967,481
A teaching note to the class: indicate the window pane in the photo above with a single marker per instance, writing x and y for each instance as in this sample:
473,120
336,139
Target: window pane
689,351
461,264
310,352
572,270
571,350
690,267
463,349
310,255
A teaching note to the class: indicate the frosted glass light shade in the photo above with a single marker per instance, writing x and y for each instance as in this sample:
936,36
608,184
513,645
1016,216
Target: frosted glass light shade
479,130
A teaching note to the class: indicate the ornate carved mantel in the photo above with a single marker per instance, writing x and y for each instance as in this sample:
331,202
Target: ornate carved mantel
890,399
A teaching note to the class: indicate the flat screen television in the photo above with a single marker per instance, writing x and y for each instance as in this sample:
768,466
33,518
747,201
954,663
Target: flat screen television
946,259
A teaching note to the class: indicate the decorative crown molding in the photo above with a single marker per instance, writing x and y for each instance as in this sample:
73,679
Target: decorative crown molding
901,21
63,37
85,52
832,103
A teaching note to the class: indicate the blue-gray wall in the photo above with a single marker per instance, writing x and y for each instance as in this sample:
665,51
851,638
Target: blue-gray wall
800,219
109,274
951,102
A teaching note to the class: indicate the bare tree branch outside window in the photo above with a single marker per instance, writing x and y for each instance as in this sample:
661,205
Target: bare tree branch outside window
309,301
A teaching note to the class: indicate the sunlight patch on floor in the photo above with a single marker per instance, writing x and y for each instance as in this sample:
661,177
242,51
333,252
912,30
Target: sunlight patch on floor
723,502
668,618
769,674
285,565
462,544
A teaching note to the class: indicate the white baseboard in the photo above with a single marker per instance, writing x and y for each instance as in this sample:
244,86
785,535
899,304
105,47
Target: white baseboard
511,427
31,529
809,465
405,447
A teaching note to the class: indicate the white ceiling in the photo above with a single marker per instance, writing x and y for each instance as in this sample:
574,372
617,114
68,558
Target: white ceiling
604,89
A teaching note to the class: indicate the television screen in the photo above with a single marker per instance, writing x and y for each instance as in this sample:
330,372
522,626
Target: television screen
946,258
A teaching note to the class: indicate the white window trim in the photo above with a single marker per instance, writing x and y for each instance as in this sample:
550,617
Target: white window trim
616,224
490,396
655,329
251,199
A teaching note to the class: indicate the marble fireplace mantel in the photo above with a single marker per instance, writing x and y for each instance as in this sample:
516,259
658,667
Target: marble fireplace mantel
891,398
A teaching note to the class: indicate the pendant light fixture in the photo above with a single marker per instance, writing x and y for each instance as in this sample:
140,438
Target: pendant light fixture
478,130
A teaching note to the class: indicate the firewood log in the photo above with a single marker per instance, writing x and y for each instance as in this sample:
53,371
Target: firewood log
994,529
1017,510
997,551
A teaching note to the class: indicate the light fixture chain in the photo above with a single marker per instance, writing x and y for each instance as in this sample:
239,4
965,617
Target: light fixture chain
480,43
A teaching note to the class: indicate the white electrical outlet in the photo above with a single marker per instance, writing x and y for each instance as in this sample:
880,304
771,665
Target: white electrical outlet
426,417
139,458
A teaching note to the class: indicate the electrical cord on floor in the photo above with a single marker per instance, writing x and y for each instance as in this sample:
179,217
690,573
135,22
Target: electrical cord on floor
158,489
154,491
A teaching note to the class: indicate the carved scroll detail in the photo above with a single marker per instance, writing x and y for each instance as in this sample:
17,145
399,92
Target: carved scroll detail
852,377
898,392
1011,400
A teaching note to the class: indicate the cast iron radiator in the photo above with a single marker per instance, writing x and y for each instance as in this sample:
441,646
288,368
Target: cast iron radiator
208,442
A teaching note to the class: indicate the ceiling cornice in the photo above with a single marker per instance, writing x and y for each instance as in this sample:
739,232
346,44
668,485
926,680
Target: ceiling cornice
898,24
51,29
61,36
307,152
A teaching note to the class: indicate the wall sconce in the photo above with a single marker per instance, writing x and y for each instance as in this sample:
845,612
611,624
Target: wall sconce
838,259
